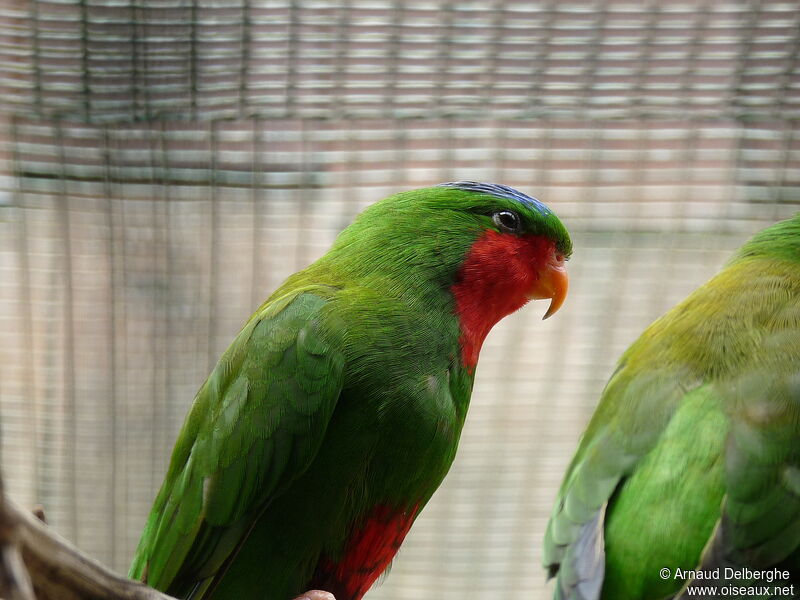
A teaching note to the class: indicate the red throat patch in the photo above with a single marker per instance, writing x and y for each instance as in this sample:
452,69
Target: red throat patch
367,554
495,280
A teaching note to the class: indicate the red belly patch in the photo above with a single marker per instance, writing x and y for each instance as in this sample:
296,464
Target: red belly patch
367,554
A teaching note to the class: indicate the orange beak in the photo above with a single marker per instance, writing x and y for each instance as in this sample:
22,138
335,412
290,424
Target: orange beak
553,283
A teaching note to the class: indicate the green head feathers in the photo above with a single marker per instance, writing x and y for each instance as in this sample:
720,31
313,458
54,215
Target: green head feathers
780,241
440,223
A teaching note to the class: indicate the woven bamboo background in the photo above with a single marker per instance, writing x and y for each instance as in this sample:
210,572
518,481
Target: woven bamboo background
164,164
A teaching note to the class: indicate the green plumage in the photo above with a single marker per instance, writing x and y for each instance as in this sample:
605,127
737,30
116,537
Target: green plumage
692,458
342,395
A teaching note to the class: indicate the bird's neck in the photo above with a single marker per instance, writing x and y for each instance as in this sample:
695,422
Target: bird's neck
477,284
495,280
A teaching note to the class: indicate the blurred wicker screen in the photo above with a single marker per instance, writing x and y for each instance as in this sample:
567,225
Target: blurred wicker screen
166,163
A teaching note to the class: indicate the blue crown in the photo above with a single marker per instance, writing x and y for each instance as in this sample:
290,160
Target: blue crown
499,191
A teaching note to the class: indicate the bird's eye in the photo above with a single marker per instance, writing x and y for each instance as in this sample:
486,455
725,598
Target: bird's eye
507,221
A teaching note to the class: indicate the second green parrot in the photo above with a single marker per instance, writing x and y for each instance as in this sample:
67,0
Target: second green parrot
687,479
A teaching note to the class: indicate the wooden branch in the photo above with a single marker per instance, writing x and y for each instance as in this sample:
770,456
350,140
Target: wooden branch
38,512
57,570
15,584
38,564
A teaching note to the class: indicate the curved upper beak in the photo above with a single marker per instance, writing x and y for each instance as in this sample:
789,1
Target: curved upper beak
553,283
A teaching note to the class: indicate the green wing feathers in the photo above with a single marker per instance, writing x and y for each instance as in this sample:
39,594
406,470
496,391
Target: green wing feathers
255,425
761,517
759,524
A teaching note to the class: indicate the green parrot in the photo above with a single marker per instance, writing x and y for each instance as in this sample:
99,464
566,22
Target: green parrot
686,482
335,413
